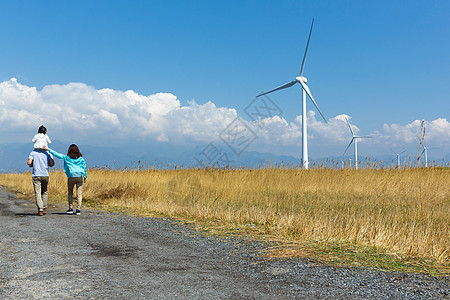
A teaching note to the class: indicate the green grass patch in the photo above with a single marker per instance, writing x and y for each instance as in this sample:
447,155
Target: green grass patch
347,254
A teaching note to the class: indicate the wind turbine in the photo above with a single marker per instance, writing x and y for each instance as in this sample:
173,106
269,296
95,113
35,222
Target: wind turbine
398,157
305,90
355,140
425,150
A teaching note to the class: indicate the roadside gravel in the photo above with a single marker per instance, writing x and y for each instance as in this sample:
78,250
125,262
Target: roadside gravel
115,256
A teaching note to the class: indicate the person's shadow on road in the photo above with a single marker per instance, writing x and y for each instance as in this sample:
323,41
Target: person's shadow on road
35,215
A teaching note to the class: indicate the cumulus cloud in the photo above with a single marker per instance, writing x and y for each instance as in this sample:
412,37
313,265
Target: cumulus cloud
79,109
106,115
278,131
437,132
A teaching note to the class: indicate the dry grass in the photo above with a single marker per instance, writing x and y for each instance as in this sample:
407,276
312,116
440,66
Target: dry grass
404,211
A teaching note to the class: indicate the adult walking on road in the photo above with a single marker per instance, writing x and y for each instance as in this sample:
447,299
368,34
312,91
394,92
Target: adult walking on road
75,169
40,161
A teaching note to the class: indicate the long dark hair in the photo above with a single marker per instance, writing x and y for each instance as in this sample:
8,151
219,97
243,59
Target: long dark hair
74,152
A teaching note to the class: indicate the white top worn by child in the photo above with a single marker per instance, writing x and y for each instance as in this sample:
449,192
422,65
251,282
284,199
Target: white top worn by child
41,138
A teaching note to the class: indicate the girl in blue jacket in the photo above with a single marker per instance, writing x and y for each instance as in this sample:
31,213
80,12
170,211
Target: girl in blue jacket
75,169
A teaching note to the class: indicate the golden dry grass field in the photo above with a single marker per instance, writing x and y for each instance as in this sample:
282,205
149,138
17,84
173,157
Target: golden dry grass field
404,212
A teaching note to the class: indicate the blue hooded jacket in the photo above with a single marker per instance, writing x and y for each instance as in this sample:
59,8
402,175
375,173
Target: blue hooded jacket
72,167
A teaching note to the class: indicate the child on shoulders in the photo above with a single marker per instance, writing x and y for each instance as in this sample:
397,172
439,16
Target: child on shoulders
41,139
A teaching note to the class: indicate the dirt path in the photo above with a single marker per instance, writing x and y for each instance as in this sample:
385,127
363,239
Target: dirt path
101,255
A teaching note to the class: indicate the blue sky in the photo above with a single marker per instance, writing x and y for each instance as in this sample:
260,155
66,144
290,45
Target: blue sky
378,62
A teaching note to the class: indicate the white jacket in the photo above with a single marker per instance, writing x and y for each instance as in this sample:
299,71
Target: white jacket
40,140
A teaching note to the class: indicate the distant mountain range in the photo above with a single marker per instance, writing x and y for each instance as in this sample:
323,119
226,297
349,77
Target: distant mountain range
13,158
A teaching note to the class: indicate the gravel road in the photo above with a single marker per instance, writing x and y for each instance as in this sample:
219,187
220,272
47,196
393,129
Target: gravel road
101,255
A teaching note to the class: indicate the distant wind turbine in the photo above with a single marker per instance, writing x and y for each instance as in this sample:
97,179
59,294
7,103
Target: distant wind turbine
425,150
305,90
398,157
355,141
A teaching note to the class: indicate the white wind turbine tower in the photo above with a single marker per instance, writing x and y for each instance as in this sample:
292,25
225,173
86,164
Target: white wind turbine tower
425,150
355,141
305,90
398,157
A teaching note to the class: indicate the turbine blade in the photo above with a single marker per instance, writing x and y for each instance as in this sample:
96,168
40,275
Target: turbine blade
306,51
348,123
286,85
312,99
403,152
348,146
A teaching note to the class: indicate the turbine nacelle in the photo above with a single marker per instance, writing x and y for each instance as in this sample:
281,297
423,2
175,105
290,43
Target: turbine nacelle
301,78
355,139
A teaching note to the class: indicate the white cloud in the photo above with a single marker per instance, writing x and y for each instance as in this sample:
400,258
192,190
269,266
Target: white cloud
200,122
99,115
105,115
278,130
107,118
335,131
437,132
